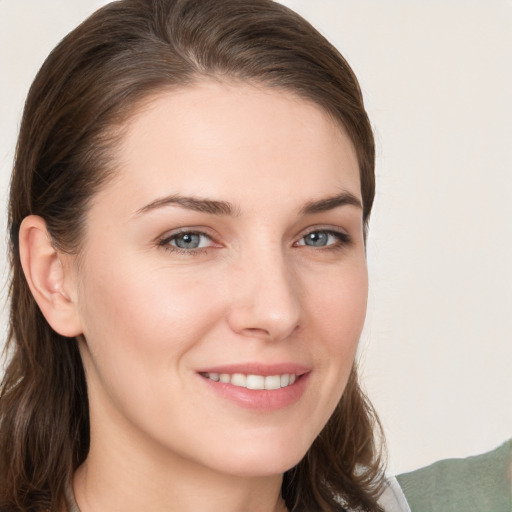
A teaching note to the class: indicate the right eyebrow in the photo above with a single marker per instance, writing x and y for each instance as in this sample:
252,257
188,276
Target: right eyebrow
197,204
330,203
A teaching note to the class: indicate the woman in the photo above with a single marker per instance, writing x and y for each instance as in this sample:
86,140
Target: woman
188,211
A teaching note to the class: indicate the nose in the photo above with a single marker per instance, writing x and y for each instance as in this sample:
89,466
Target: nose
265,300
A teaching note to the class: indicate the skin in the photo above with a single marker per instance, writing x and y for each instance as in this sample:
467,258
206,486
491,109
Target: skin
152,316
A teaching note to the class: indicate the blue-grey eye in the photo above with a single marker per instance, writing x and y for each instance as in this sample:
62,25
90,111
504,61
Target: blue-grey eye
187,240
324,238
318,239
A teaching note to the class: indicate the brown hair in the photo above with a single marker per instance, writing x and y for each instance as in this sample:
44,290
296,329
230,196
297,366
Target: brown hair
90,84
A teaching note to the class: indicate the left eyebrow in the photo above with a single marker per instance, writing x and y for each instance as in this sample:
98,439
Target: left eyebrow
329,203
197,204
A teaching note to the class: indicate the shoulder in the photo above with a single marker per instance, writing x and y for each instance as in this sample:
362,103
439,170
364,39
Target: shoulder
479,483
393,499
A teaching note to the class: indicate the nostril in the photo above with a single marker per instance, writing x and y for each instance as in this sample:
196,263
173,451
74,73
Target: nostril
273,333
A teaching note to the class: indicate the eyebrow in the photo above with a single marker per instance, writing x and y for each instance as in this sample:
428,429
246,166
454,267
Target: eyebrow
330,203
191,203
226,208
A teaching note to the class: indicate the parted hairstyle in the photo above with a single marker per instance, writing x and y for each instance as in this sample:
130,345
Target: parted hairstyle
89,86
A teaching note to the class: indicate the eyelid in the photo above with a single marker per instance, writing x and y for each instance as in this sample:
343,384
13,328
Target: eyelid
197,230
165,239
343,237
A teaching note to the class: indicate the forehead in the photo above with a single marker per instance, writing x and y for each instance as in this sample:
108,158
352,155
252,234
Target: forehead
200,139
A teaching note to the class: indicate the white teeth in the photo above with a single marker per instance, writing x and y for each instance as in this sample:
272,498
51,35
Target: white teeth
254,381
273,382
239,379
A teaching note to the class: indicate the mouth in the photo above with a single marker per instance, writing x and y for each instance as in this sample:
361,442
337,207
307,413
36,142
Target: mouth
253,382
256,386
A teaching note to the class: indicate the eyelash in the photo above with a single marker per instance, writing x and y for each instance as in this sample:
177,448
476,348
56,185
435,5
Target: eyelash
165,243
343,240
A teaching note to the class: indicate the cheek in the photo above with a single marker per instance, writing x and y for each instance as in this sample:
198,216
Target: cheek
339,308
337,312
139,328
133,316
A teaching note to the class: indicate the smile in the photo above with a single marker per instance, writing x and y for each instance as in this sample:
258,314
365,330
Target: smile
256,382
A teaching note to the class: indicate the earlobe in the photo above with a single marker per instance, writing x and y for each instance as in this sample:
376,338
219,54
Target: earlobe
46,275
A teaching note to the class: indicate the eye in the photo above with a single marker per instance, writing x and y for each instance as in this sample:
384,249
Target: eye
186,241
324,238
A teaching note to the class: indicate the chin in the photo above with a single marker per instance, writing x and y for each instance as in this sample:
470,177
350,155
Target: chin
261,461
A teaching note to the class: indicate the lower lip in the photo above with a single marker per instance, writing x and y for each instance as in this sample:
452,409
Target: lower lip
260,399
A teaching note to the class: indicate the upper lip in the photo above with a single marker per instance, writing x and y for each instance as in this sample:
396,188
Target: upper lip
263,369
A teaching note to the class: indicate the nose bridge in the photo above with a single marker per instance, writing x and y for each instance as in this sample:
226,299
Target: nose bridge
266,300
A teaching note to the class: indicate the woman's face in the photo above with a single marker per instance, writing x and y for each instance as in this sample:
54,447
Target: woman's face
222,286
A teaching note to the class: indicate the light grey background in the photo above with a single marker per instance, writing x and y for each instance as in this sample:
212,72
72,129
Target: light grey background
437,78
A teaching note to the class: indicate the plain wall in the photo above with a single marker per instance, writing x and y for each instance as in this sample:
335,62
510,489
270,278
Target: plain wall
436,353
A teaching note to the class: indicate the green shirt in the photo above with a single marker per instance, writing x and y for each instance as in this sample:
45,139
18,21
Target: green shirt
475,484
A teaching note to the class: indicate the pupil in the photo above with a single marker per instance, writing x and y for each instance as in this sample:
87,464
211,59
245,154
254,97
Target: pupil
188,241
316,239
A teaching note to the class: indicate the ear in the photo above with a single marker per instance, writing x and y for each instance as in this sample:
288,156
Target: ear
48,274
